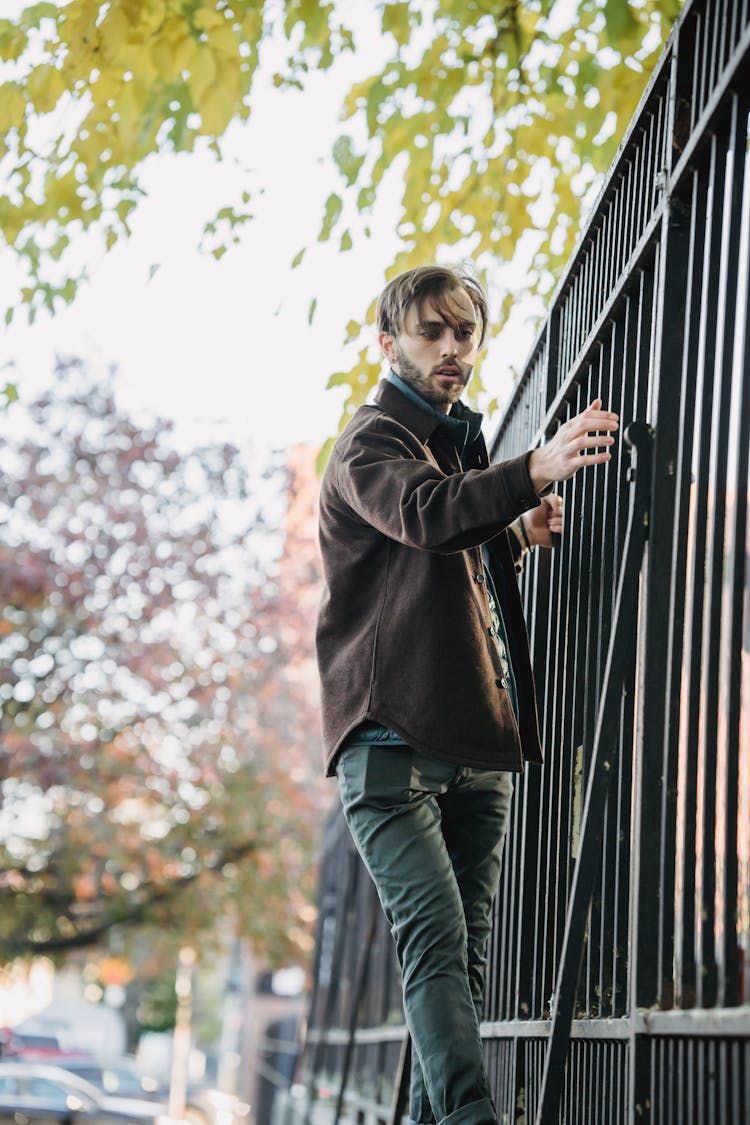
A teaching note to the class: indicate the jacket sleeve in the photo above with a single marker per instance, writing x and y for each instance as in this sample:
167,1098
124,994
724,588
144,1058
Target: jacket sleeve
382,478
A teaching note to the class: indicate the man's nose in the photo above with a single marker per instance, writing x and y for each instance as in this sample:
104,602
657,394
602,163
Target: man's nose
449,344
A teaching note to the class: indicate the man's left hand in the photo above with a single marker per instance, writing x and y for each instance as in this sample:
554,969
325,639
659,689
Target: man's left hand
541,523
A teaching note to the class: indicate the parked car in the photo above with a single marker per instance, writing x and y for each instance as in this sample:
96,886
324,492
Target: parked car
123,1077
37,1094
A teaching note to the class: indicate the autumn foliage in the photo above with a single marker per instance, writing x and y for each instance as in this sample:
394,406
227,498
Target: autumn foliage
159,756
491,124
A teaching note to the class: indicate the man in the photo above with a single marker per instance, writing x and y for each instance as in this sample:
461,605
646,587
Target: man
427,691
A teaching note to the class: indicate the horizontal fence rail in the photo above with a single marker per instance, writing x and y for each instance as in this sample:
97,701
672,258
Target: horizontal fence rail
651,315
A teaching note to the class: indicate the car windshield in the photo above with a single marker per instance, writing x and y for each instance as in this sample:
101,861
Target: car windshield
122,1081
43,1088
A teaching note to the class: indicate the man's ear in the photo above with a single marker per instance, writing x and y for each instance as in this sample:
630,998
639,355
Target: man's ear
387,346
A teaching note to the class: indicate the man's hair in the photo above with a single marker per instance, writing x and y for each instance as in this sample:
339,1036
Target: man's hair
413,286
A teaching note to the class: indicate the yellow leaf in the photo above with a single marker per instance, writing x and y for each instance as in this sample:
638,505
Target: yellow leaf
181,43
223,41
216,111
202,73
204,19
184,53
252,26
12,41
164,59
108,85
145,18
12,106
129,110
145,76
113,34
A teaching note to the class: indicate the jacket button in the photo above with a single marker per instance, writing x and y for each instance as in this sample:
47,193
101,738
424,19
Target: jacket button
479,578
492,630
501,683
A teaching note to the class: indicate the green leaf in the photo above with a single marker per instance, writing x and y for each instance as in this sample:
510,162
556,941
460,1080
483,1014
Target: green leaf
153,269
619,20
31,17
298,257
346,241
311,310
396,21
347,161
366,198
69,290
9,394
333,209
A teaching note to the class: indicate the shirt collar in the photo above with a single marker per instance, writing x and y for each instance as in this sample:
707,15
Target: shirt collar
463,424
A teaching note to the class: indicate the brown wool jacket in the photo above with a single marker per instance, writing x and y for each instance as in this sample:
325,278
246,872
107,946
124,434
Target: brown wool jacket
403,631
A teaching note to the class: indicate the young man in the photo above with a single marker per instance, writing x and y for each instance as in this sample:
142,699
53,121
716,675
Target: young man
427,691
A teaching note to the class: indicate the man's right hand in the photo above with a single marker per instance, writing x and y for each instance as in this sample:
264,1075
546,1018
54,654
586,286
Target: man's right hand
567,452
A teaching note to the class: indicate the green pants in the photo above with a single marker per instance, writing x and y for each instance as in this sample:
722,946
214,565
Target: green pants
431,835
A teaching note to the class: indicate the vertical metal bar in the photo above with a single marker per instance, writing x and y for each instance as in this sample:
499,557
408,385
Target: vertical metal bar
616,253
695,56
706,887
724,33
358,999
623,635
600,268
650,171
653,834
715,753
580,304
574,300
705,63
552,360
640,187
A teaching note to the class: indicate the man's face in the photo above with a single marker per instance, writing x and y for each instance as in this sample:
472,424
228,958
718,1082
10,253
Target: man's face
435,351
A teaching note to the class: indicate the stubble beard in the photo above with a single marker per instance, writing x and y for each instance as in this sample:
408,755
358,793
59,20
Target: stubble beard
421,383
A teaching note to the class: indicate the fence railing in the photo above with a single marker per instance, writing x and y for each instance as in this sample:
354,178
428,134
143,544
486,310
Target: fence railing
652,868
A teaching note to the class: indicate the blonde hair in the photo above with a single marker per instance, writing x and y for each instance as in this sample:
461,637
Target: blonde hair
413,286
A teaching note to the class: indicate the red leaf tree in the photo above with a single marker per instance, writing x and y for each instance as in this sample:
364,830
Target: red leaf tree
159,756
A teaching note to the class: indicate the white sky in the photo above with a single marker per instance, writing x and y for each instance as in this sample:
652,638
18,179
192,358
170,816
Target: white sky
224,348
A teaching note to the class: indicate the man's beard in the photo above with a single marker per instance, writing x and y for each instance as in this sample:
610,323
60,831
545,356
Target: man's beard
435,395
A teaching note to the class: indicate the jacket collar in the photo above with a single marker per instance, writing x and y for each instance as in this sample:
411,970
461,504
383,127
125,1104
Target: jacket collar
420,417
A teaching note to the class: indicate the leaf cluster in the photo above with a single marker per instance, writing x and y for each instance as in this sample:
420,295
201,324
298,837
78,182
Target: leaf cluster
496,120
94,88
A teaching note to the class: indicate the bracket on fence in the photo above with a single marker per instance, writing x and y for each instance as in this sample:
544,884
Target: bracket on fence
639,436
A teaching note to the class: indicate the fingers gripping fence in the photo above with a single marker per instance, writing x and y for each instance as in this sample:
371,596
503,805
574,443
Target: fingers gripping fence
618,971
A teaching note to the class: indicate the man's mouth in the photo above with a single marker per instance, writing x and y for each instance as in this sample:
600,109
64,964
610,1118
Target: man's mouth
452,372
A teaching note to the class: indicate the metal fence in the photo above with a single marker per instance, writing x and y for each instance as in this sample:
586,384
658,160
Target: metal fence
619,965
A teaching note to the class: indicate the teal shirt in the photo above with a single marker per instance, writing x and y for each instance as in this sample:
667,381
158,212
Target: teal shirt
464,433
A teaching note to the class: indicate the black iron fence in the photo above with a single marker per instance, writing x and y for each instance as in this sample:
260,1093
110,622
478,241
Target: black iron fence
619,966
